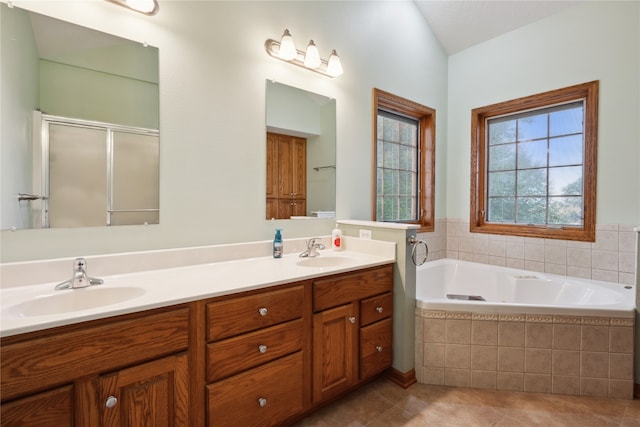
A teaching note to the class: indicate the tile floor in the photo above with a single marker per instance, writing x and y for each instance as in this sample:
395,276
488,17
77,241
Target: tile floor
384,404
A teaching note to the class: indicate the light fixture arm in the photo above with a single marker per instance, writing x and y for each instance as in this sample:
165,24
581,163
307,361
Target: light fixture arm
273,48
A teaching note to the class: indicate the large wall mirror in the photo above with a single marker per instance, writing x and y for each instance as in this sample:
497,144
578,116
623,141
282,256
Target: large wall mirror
79,135
301,153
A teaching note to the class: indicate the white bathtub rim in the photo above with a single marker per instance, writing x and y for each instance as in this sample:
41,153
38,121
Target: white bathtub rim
626,309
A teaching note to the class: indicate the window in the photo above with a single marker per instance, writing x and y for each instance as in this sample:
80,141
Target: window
534,165
404,161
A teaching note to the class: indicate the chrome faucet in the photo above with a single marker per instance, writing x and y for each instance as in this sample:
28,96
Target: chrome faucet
312,248
80,279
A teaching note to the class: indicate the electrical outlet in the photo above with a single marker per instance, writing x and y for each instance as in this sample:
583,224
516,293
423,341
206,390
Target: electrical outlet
365,234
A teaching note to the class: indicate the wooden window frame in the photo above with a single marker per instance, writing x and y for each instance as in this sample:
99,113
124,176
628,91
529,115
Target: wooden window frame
426,117
479,116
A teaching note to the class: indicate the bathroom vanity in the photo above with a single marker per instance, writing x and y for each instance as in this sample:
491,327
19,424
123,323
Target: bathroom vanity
263,357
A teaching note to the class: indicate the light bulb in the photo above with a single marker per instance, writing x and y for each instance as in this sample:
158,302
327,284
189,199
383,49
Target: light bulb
312,56
287,47
144,6
334,66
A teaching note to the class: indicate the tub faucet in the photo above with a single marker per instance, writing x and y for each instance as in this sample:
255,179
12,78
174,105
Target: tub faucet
312,248
80,279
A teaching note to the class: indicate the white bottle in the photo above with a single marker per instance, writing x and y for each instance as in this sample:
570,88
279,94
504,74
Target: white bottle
336,239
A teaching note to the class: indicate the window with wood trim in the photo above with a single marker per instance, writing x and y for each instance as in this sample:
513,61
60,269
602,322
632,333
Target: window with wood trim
533,165
403,161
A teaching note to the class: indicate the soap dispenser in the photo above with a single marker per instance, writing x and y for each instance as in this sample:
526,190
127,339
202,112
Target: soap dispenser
277,244
336,239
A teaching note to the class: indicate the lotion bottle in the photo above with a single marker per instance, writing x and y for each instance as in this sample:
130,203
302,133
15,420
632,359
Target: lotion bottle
277,244
336,239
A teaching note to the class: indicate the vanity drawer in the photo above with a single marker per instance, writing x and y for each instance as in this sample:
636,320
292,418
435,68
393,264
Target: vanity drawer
244,314
54,359
264,396
328,293
233,355
376,308
376,350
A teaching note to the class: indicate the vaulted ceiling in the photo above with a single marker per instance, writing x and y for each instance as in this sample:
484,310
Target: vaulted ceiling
459,24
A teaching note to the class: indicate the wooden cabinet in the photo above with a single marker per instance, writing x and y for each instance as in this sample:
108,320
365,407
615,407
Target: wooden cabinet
286,176
254,342
352,329
52,408
64,376
259,358
150,394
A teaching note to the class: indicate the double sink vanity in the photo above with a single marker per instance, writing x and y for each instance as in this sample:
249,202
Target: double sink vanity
242,341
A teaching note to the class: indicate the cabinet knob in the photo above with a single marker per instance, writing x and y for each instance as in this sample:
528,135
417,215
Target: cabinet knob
111,402
352,319
379,309
379,348
262,349
262,402
262,311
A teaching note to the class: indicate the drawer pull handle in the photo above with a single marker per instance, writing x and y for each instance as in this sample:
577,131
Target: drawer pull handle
111,402
262,349
262,402
352,319
262,311
379,348
379,309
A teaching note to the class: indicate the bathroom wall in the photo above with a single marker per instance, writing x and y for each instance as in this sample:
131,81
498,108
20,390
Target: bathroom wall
213,68
592,41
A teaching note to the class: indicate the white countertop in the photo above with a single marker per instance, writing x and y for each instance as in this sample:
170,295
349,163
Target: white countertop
169,286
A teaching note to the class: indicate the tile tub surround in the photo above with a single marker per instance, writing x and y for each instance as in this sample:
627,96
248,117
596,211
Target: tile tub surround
611,258
590,356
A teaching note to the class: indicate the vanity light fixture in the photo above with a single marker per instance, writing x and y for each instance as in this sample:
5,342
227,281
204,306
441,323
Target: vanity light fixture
286,50
147,7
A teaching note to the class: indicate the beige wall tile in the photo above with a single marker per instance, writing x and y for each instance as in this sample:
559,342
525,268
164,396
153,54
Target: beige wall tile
514,250
565,385
560,269
604,275
594,387
433,355
484,379
537,383
595,338
457,377
533,252
555,254
566,337
458,331
433,330
604,260
539,335
594,364
565,362
620,366
433,376
510,359
484,357
515,263
484,332
579,257
537,361
621,389
510,381
457,356
511,334
621,339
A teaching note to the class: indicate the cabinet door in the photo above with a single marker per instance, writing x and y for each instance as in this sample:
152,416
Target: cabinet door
154,394
376,353
299,168
48,409
334,351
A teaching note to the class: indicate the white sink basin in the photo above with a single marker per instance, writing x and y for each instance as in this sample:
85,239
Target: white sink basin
70,300
324,261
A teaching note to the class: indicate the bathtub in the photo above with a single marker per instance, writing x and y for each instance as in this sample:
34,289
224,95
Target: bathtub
491,327
449,284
